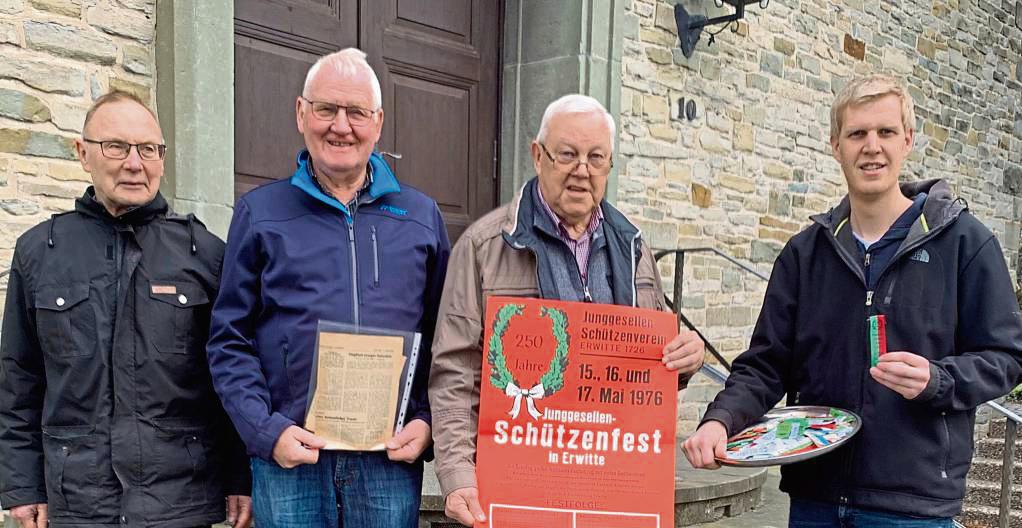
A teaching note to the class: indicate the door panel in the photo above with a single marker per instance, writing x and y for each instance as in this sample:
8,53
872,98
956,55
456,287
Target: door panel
446,107
265,141
275,42
451,16
438,62
323,24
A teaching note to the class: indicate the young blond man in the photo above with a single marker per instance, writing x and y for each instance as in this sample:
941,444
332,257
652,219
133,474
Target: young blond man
913,253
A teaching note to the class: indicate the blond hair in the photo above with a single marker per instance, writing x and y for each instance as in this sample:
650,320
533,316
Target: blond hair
862,90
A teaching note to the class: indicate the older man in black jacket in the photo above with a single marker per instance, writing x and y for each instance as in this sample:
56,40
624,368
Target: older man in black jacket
107,411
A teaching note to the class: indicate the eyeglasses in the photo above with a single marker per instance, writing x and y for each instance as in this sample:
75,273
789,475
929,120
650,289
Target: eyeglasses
570,159
118,150
357,116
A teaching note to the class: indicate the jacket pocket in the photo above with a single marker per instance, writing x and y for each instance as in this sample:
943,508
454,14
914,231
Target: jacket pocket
297,396
945,445
180,316
70,456
182,451
510,286
64,320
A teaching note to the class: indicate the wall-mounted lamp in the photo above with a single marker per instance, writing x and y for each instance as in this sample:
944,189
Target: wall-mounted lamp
691,26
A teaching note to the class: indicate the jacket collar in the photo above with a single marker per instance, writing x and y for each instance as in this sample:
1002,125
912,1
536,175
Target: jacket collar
89,206
940,210
383,181
524,219
521,217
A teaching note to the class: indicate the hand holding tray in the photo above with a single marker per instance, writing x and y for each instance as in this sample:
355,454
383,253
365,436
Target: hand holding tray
791,434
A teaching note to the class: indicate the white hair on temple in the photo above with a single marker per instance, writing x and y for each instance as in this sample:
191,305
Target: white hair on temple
349,62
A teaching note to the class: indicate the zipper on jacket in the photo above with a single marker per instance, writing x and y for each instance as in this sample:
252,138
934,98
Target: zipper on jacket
636,255
376,257
865,260
947,445
354,266
118,266
585,284
849,462
287,372
118,250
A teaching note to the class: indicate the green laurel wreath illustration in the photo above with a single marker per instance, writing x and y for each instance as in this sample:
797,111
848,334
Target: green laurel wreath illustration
501,376
553,379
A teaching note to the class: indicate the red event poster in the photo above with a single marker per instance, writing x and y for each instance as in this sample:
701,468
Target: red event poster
576,416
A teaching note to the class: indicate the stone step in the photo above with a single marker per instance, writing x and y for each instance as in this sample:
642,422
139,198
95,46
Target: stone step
997,426
702,496
989,469
982,493
987,517
994,448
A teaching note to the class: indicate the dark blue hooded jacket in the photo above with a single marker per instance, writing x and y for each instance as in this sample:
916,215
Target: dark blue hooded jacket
947,296
296,256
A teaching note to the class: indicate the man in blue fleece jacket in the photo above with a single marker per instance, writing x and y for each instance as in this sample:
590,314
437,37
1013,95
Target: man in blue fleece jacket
341,240
914,254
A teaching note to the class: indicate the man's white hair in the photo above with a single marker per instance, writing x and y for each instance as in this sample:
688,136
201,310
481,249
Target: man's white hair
349,62
574,104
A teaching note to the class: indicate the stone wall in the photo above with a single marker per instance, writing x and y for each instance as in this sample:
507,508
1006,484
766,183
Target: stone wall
754,163
58,55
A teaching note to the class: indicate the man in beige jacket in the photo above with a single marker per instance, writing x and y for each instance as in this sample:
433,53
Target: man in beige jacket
558,239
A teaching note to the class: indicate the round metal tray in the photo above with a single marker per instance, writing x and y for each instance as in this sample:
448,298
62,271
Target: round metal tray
785,412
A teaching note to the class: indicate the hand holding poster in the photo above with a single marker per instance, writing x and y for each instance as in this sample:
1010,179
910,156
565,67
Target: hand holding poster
577,416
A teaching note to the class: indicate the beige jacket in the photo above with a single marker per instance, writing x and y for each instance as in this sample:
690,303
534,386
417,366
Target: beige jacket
483,264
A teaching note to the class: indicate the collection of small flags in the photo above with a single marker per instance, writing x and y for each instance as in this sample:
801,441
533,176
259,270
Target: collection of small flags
790,433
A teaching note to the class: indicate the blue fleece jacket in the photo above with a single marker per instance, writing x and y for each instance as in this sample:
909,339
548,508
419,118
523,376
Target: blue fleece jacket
296,256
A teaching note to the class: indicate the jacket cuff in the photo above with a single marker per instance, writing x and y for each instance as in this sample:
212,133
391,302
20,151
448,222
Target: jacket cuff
719,415
266,439
457,479
21,497
424,415
933,386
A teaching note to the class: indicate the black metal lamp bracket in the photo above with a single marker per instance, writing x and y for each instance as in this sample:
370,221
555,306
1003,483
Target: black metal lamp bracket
691,26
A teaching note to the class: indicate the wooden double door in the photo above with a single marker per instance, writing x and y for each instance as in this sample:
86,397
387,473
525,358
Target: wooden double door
438,62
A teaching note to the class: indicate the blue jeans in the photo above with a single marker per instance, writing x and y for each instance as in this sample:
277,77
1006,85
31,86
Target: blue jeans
813,514
344,489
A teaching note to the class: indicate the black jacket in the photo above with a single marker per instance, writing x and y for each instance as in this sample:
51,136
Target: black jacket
946,295
107,410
